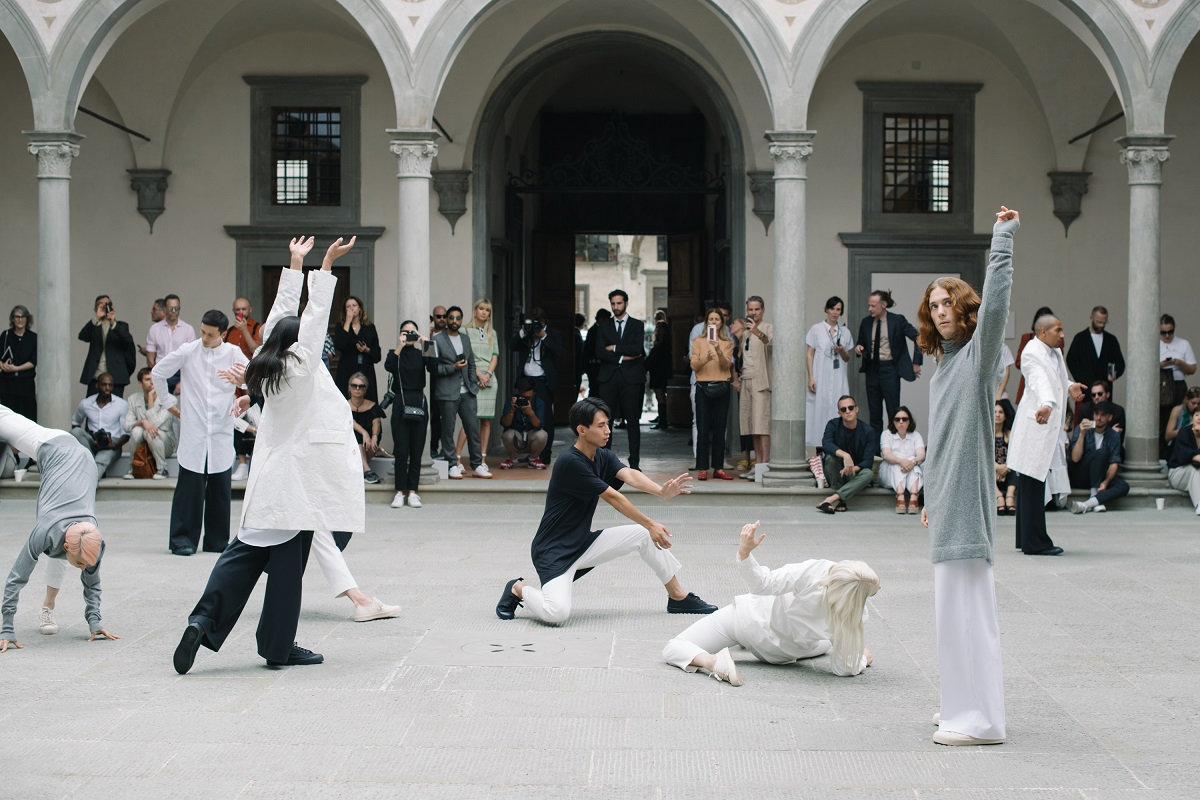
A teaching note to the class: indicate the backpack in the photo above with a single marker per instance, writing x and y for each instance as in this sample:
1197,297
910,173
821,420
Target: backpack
143,466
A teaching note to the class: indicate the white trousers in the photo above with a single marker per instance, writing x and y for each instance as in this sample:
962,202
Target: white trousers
56,570
1186,478
710,634
552,603
968,636
332,563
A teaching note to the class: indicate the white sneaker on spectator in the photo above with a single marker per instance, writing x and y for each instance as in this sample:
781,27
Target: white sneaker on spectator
128,476
240,471
161,475
455,472
48,626
482,471
414,500
1100,509
398,500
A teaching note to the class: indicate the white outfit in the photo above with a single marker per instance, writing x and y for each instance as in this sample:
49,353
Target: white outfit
890,475
161,446
972,679
781,622
830,374
552,603
307,472
1058,482
205,427
332,563
1031,446
1186,478
110,418
1177,348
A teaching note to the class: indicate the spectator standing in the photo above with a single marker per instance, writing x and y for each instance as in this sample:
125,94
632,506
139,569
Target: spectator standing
1006,362
829,345
1184,464
850,447
245,333
521,421
658,369
99,424
455,386
591,360
157,314
357,344
1006,479
698,329
539,350
110,348
1095,354
581,328
884,351
437,324
903,452
18,364
1176,357
1025,337
368,424
408,366
487,355
1181,416
744,442
712,361
168,334
149,421
1095,459
622,372
755,392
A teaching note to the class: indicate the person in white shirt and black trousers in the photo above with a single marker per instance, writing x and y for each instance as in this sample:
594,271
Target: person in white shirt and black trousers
202,491
621,375
539,349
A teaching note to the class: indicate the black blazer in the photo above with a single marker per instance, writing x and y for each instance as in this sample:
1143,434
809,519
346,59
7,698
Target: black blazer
552,350
120,353
899,329
345,342
630,345
1083,362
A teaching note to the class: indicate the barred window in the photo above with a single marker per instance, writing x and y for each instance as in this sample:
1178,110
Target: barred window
306,151
917,166
592,247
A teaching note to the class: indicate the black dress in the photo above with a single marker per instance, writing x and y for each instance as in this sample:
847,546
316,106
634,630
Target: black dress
658,364
17,389
350,360
366,418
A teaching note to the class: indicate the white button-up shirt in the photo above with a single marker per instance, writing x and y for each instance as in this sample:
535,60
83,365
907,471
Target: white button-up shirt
110,418
1177,348
162,339
205,427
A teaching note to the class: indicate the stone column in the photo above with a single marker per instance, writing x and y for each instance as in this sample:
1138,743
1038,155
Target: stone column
1144,157
786,309
414,151
54,151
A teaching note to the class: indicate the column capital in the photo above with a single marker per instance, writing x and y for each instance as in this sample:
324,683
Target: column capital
790,151
54,151
1144,156
415,150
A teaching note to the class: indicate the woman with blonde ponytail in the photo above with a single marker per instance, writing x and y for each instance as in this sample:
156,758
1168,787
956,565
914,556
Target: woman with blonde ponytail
792,613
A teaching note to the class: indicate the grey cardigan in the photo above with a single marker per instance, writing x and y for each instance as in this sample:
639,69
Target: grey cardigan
960,475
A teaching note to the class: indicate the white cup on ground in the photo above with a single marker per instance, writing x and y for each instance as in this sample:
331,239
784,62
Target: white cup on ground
1160,503
19,474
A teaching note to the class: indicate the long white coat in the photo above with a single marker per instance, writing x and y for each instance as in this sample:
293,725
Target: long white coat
306,473
1046,381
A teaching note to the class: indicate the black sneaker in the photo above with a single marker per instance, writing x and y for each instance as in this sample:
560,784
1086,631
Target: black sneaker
299,657
371,477
690,605
507,607
185,652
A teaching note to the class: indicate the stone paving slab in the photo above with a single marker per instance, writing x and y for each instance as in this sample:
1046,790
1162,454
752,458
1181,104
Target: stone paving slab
1099,647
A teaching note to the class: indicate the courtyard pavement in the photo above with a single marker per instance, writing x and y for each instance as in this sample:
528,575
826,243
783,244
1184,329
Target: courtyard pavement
1100,662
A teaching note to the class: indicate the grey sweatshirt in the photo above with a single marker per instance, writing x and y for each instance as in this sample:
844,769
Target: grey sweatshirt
67,495
960,477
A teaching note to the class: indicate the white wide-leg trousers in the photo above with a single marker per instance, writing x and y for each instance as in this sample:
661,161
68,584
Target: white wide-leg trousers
710,634
332,563
968,636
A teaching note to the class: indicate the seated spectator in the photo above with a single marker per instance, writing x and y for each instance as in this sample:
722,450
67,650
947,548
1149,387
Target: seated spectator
1006,480
1175,356
1181,417
849,445
1095,457
903,453
522,425
148,421
99,424
1101,392
367,423
1184,463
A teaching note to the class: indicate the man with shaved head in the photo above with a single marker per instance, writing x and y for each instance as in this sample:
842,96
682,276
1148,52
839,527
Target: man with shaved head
65,527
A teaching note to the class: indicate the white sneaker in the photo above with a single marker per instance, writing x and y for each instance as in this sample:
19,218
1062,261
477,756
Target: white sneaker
161,475
455,472
376,610
1100,509
398,500
482,471
48,626
240,472
128,476
726,669
1079,508
414,500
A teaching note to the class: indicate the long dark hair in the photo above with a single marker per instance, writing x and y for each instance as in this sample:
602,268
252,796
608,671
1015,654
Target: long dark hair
265,373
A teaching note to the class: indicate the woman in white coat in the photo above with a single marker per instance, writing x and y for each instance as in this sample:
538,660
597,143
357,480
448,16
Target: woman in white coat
792,613
829,345
305,474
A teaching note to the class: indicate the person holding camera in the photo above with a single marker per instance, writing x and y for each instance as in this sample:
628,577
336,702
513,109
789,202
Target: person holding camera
539,349
712,361
407,365
99,424
455,385
522,424
1095,458
357,344
110,348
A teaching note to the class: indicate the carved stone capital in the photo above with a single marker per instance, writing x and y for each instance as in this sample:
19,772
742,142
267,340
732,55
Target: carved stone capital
452,186
1068,189
151,188
54,151
414,151
1144,156
790,151
629,261
762,188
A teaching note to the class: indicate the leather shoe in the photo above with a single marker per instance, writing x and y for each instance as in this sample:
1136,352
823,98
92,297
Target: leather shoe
507,607
1049,551
184,551
299,657
690,605
185,651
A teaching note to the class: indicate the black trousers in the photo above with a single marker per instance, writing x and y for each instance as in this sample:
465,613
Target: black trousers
543,391
408,443
200,496
1031,515
233,579
712,416
243,443
883,385
1089,472
21,397
625,401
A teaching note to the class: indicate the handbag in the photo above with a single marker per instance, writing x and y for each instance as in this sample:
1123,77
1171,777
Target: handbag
142,464
1169,393
713,390
407,412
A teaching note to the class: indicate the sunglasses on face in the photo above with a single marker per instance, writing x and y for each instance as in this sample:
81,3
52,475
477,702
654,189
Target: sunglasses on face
358,386
844,409
900,419
455,318
1167,332
171,308
439,316
1097,394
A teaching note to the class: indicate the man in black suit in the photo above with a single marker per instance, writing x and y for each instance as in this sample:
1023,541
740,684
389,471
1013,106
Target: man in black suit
1095,354
621,374
885,357
110,348
540,349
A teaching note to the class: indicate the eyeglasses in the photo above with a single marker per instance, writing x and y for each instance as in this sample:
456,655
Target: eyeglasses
1167,332
844,409
358,386
455,317
439,316
170,308
19,316
901,419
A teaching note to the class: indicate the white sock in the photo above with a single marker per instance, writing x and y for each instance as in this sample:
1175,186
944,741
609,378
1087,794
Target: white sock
1091,502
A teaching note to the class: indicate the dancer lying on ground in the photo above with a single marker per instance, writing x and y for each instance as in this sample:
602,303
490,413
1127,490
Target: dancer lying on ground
792,613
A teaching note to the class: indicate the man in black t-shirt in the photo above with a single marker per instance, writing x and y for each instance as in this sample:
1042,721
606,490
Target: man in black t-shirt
565,548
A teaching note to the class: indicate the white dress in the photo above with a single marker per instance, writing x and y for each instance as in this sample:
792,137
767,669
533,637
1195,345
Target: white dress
832,381
890,475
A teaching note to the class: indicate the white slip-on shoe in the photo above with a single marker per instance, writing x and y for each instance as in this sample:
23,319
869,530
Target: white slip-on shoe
953,739
377,610
128,476
482,471
726,669
48,626
240,472
937,718
1100,509
414,500
398,500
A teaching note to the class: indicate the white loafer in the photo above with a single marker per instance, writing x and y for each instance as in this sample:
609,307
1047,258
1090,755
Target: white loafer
726,669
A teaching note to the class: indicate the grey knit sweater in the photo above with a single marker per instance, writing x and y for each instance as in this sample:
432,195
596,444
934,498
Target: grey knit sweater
960,475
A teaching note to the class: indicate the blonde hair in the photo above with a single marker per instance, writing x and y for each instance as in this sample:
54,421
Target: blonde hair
847,586
82,540
483,302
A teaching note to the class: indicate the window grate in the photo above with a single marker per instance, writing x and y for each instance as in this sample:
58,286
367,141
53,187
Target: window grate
306,154
917,163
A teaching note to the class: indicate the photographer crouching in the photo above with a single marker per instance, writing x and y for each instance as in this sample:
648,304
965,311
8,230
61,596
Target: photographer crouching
522,423
539,349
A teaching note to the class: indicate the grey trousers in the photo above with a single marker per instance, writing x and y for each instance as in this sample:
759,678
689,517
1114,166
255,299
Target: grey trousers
845,487
104,458
464,408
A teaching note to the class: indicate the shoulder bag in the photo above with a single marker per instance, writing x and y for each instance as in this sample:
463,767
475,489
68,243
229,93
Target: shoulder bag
407,412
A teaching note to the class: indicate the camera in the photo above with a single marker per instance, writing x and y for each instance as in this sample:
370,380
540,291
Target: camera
522,402
411,336
108,307
388,398
101,440
533,326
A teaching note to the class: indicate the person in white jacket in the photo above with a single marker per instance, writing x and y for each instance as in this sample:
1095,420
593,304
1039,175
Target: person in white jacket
792,613
305,476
